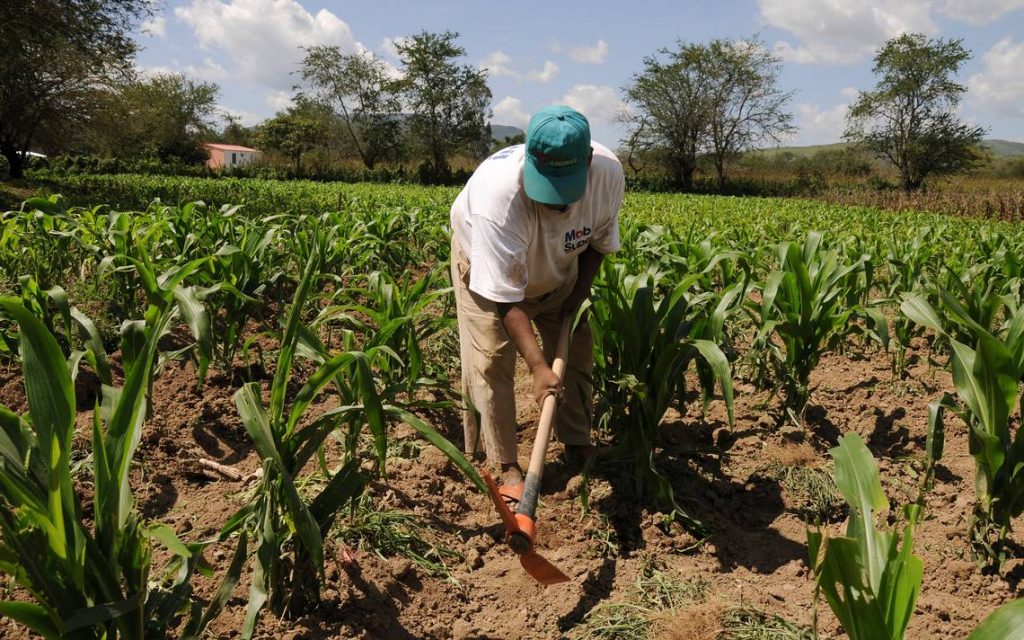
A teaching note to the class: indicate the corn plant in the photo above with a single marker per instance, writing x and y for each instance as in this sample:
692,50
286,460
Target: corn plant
644,344
804,305
243,271
909,267
987,379
396,316
870,582
288,528
86,580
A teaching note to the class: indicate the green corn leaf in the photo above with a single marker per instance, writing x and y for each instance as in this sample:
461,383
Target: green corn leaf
51,401
857,480
257,422
32,616
918,310
345,485
1005,623
433,437
166,536
196,627
195,315
720,365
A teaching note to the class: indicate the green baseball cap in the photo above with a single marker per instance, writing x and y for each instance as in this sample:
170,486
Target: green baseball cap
557,153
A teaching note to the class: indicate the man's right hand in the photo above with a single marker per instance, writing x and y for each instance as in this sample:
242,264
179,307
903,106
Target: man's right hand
545,383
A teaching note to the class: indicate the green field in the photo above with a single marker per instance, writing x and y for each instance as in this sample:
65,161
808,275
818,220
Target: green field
316,320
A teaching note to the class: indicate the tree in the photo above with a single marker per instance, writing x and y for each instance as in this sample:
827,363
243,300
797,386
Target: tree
715,100
747,108
448,102
360,90
166,116
669,111
235,132
292,132
910,116
53,56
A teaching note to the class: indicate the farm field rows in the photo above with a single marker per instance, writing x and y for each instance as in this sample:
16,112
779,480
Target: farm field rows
287,362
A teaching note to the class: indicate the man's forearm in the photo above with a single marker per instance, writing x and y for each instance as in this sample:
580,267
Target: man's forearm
520,329
589,264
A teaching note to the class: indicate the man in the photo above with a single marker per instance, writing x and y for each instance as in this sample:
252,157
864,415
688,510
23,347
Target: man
530,230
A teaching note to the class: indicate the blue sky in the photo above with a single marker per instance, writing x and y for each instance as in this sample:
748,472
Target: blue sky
582,53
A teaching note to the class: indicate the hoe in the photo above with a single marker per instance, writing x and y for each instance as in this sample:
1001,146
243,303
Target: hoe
521,526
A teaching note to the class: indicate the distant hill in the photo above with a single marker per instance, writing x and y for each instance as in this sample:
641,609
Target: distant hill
1004,148
502,131
998,148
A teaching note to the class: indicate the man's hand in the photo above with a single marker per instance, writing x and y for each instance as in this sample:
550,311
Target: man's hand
545,383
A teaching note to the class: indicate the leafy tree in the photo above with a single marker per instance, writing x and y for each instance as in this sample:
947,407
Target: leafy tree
747,107
366,98
448,102
670,111
167,116
53,56
292,132
910,116
234,132
716,100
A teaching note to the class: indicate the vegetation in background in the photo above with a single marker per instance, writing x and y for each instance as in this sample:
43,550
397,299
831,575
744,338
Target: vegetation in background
715,100
911,118
448,102
363,96
53,56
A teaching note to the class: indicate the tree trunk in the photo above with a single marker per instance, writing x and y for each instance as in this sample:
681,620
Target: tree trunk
15,161
686,177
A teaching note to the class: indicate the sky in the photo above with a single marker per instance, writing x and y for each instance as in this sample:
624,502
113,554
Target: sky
583,53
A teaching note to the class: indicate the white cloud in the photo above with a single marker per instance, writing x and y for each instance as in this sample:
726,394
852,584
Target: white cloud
155,27
850,93
155,70
263,38
817,125
595,54
499,64
209,70
979,12
843,31
510,111
547,74
279,100
599,103
999,87
388,45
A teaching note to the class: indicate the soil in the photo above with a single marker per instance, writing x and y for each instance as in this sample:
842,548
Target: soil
755,554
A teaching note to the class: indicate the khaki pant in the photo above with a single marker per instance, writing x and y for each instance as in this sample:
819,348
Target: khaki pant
488,368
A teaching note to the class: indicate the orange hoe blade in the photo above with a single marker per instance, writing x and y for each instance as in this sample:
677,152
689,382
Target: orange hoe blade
520,527
520,533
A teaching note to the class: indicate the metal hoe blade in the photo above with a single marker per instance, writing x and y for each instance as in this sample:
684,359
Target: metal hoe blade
520,533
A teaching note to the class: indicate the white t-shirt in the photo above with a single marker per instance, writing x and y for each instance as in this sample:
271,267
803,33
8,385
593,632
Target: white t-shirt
517,249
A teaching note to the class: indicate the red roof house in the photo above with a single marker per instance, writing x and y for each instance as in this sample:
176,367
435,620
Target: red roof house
226,156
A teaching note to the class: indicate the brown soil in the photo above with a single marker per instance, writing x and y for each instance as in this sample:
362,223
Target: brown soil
756,552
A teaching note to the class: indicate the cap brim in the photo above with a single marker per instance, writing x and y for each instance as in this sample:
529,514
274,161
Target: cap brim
557,190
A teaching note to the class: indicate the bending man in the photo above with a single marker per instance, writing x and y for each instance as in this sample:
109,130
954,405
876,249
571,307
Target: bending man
530,230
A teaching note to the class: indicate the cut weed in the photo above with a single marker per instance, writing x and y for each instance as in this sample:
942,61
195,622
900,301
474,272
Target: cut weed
811,491
390,533
664,605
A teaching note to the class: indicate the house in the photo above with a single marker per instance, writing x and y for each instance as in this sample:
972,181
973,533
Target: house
226,156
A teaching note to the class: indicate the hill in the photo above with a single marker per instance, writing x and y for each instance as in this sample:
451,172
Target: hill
502,131
998,148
